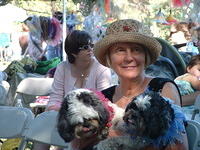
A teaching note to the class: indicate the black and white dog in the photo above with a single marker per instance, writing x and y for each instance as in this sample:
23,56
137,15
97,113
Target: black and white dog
148,115
85,113
149,120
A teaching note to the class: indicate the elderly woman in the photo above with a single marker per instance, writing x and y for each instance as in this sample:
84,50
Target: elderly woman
128,48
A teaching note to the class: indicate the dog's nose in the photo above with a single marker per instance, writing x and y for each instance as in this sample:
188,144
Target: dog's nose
86,124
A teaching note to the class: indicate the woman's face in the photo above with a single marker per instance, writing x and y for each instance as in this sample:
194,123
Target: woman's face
86,52
195,70
127,59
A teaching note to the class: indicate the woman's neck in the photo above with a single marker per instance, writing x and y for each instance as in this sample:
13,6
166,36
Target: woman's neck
131,88
81,69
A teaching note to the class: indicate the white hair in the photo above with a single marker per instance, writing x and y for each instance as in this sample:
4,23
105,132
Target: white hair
78,109
142,101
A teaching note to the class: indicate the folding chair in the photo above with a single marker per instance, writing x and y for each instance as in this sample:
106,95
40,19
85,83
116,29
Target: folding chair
43,129
4,88
14,121
163,67
193,134
196,107
172,53
30,87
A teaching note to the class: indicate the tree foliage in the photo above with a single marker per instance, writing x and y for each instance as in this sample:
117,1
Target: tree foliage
143,10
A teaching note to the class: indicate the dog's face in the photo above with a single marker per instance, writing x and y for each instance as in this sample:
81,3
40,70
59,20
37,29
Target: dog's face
148,115
82,115
135,122
86,129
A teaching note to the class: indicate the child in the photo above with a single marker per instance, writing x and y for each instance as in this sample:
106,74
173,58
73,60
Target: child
189,85
189,82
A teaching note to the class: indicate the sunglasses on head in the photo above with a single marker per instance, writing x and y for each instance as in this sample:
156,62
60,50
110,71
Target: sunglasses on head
86,47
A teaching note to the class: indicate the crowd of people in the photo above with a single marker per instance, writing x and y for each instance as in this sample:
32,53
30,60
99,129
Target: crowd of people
127,49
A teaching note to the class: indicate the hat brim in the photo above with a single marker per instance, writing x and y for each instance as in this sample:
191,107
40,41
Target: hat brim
150,43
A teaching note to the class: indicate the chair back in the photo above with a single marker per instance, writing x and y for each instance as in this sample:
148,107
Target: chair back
33,87
172,53
4,88
163,67
193,134
14,121
44,129
196,109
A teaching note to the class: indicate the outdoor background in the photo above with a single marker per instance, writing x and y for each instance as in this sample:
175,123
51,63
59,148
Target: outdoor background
143,10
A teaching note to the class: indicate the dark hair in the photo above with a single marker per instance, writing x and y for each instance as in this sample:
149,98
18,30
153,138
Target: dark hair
74,41
194,61
58,15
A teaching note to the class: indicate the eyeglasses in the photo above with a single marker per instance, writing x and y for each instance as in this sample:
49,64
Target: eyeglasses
86,47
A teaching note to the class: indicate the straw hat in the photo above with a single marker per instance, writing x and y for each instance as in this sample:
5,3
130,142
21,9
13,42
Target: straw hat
127,30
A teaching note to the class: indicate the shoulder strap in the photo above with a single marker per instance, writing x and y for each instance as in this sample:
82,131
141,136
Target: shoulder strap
109,92
156,84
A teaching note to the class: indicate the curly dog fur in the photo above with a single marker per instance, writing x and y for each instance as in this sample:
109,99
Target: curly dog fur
147,116
82,114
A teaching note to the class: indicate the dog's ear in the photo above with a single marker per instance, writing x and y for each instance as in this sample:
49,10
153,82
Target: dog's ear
158,117
91,99
65,130
103,115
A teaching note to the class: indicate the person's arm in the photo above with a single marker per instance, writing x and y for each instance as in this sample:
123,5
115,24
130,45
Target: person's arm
189,99
57,91
170,91
103,79
195,82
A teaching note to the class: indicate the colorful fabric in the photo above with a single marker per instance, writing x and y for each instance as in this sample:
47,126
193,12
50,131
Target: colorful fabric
44,66
106,104
185,87
40,101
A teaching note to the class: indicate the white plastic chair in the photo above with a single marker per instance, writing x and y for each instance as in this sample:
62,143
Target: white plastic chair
14,121
193,134
43,129
33,87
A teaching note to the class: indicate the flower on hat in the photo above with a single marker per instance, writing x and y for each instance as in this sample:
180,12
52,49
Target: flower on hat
126,28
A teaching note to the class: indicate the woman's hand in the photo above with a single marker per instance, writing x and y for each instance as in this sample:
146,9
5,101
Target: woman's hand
53,107
78,144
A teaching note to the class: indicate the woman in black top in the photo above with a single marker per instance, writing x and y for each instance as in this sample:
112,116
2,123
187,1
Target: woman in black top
128,48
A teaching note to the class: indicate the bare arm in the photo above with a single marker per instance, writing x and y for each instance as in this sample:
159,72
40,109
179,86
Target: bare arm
170,91
189,99
57,91
195,82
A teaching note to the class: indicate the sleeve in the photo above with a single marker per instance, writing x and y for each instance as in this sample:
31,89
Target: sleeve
57,91
103,79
